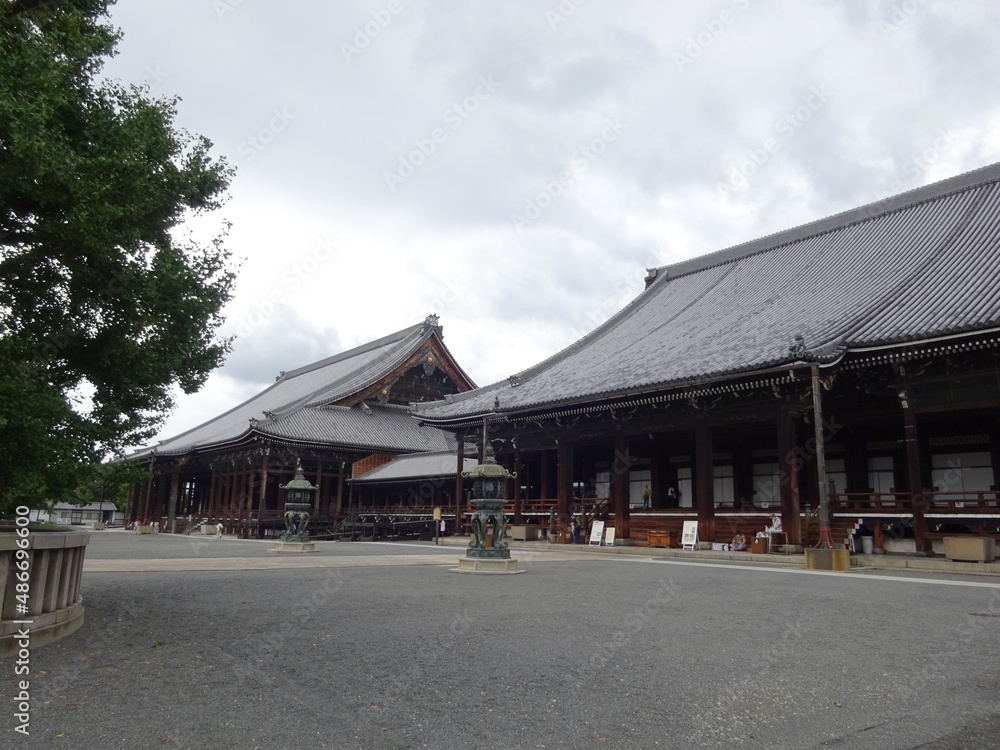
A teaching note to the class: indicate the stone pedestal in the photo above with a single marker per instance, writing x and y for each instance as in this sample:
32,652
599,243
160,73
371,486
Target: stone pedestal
486,565
827,559
524,533
283,546
970,548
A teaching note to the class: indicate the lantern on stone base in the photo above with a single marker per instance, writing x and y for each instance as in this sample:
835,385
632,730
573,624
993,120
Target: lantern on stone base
298,500
488,552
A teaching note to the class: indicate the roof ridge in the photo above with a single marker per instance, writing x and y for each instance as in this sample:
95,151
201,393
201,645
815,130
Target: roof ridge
601,330
292,406
351,353
384,364
901,201
522,376
316,396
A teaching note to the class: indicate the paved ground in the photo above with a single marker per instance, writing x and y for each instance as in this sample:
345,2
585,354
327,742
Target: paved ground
379,646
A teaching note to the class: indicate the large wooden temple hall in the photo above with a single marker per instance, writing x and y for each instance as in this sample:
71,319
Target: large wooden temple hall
698,400
341,417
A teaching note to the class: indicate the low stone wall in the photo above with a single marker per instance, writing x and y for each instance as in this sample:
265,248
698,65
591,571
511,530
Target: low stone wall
54,605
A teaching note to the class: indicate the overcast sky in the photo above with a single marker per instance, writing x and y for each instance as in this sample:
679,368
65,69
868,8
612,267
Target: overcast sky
515,166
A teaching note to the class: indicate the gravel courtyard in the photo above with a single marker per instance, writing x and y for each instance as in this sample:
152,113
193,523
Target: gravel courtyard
380,646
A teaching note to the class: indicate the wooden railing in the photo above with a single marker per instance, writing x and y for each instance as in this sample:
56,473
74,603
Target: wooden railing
962,502
875,502
957,503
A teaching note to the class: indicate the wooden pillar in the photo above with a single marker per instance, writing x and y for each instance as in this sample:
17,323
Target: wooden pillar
704,481
459,488
788,477
220,489
172,498
918,501
135,502
262,490
620,467
147,495
658,481
230,492
517,485
742,472
564,489
318,494
545,474
857,461
819,439
994,433
339,507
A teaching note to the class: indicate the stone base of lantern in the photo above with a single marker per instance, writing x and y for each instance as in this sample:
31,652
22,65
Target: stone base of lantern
487,565
294,547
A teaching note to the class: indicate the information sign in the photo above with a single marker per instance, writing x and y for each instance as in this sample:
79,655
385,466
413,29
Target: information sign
689,535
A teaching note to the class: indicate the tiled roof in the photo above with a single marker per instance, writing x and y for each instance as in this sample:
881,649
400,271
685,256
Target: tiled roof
417,466
367,427
292,399
918,266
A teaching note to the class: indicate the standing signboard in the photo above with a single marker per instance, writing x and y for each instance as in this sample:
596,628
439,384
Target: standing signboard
689,535
596,532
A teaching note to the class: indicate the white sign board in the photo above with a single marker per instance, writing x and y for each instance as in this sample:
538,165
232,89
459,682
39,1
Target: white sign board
689,535
596,532
609,536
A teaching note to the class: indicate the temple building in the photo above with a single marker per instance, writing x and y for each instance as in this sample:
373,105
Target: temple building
700,399
342,417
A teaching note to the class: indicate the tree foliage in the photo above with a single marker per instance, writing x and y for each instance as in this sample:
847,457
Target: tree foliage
105,306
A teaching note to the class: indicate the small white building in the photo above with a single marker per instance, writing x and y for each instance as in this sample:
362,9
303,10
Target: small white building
84,515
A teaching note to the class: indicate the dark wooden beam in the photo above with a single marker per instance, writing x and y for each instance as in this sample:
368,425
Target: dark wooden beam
704,482
918,500
620,467
788,476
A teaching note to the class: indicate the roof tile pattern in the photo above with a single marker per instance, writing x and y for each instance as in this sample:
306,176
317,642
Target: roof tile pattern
296,401
416,466
375,427
915,267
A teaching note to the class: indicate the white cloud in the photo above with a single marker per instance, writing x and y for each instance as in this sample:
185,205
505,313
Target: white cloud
314,134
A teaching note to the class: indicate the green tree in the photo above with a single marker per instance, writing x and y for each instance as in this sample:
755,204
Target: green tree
105,305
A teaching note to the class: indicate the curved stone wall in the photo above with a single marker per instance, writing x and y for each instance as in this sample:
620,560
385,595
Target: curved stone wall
54,605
